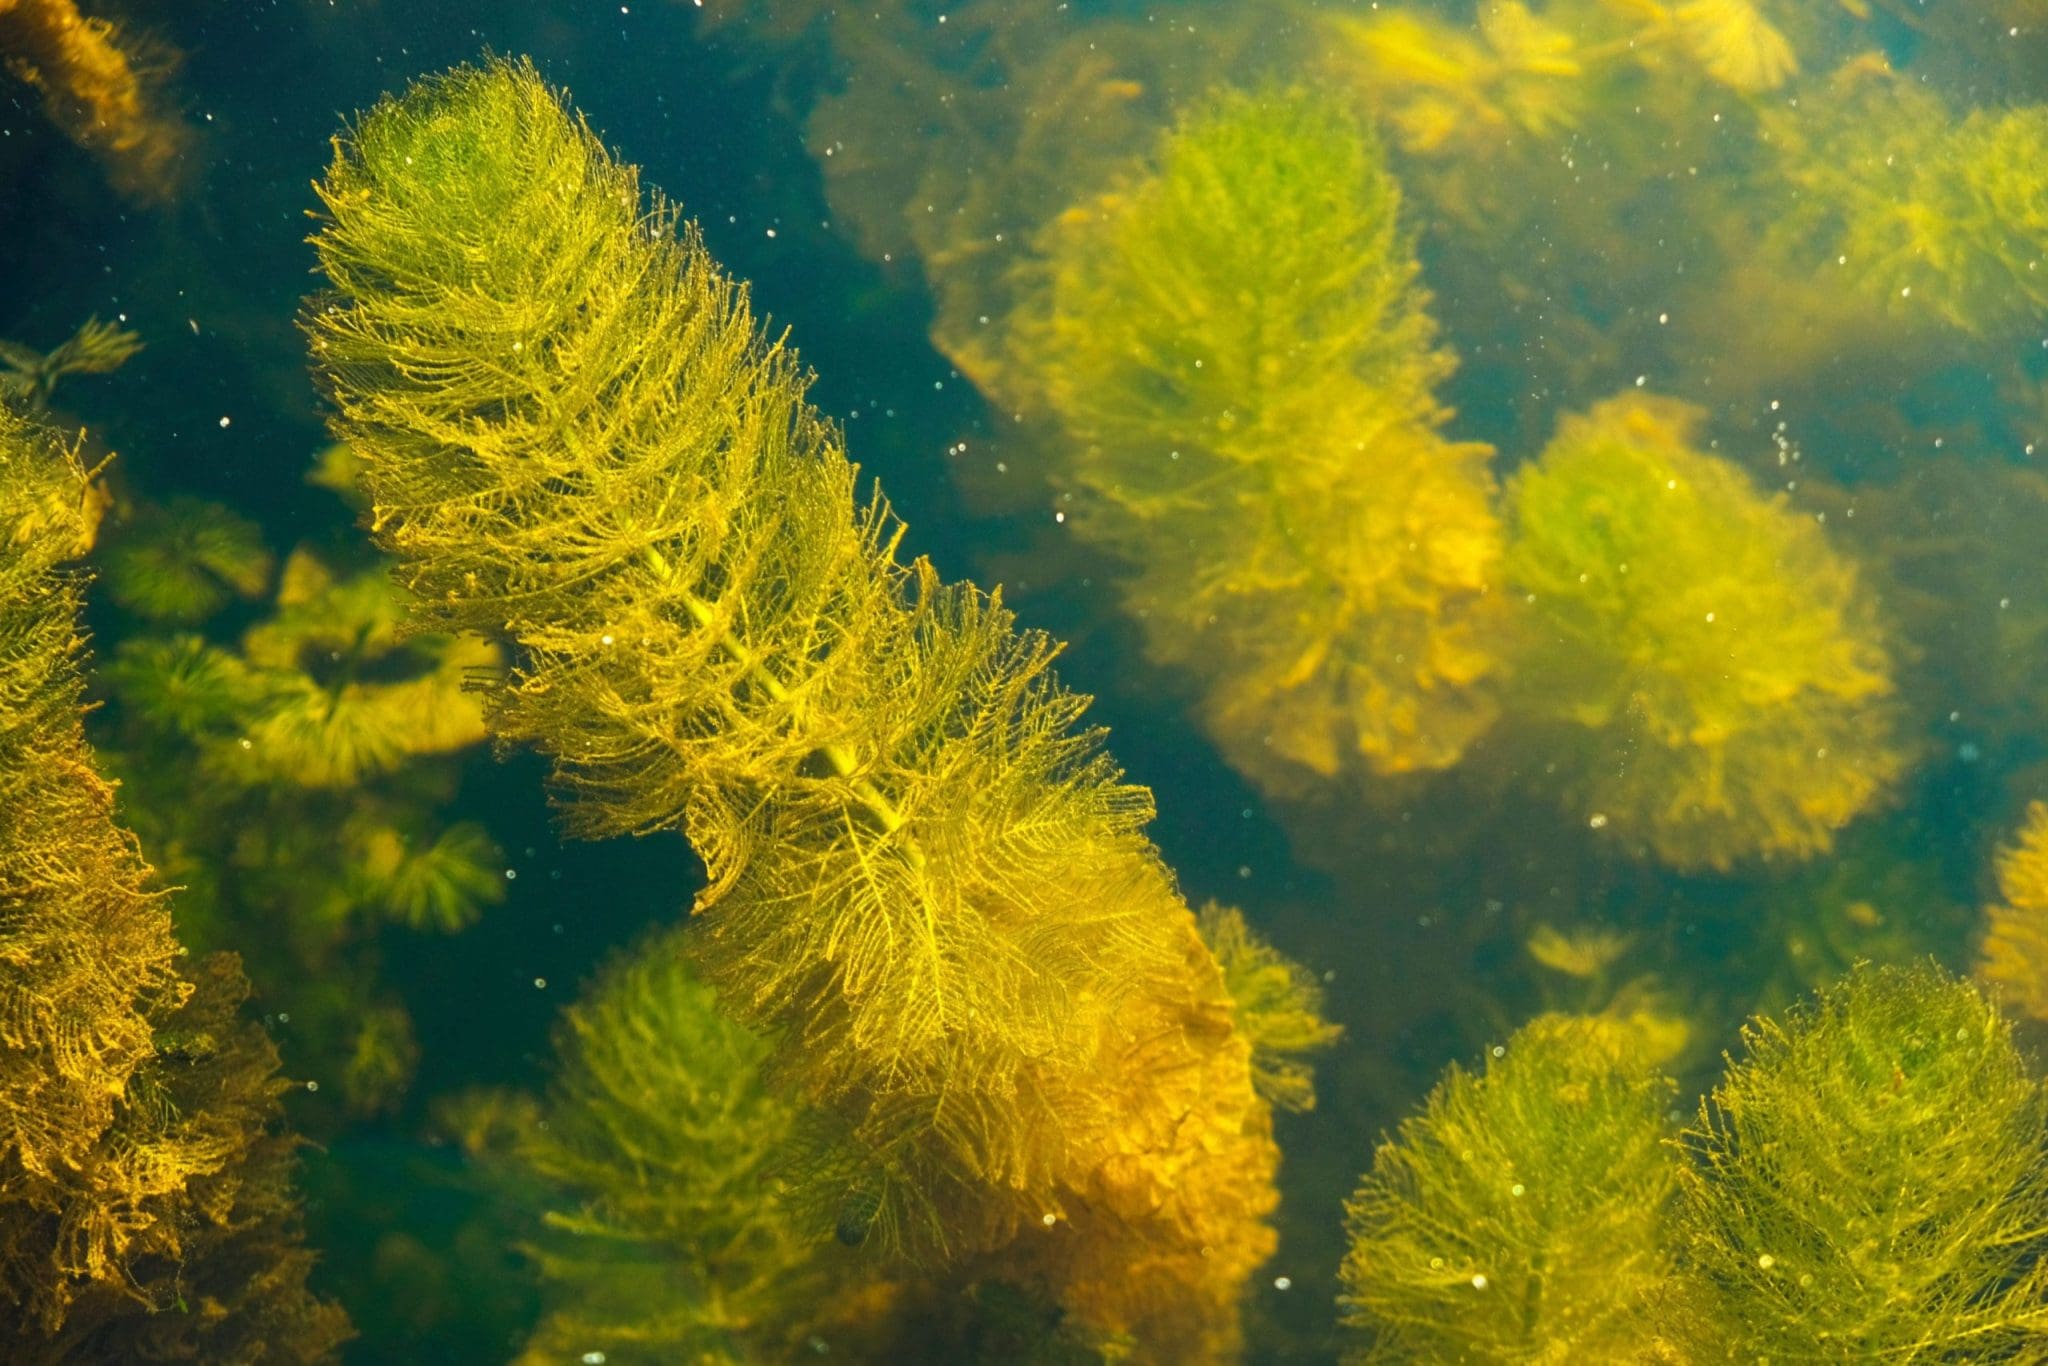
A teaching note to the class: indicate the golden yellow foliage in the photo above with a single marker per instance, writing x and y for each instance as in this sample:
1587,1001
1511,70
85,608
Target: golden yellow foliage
1582,952
1697,655
1443,89
1238,350
927,884
136,1158
2014,955
1278,1005
93,94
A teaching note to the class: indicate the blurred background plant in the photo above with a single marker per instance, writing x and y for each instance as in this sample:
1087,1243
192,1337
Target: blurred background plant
293,778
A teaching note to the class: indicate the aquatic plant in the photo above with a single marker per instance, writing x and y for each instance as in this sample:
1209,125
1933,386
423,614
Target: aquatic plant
659,1144
137,1112
1868,1183
96,348
2014,955
185,560
1521,1215
1926,214
321,751
1237,348
926,884
91,90
348,695
1701,661
1537,72
1277,1004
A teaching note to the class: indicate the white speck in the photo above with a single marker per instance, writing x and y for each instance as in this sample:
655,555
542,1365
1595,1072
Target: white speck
1049,1220
771,232
1283,1283
1059,516
1906,292
511,875
1641,380
1766,1262
1479,1282
312,1086
598,1358
605,639
1598,820
1710,618
540,984
1500,1050
1663,317
1517,1189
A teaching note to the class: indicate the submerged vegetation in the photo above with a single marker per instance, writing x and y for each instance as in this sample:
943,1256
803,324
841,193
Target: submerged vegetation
1547,490
926,884
1699,658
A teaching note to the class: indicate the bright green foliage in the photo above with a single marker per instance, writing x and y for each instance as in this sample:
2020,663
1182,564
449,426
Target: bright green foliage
671,1241
1222,300
290,786
926,881
1237,348
1933,215
183,685
184,561
1870,1183
1278,1005
1520,1217
1701,661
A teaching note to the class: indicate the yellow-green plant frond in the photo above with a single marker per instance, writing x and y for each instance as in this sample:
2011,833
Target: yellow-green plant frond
1520,1217
138,1113
2014,956
1442,89
1697,653
1926,214
1869,1183
661,1140
442,886
1238,349
83,948
1258,270
97,348
350,695
184,685
382,1056
184,561
1735,45
927,882
1278,1006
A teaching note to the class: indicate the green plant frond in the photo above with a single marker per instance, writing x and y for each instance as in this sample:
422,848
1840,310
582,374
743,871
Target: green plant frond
1238,348
927,883
442,886
184,561
669,1239
1714,666
1520,1216
1278,1005
1870,1182
184,684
